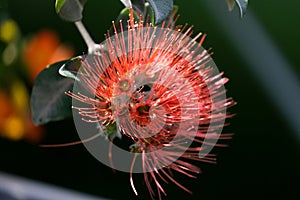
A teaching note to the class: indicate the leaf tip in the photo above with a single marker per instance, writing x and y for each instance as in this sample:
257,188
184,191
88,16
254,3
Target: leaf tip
58,5
242,4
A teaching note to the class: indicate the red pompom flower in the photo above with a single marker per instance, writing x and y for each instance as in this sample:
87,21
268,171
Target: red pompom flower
159,88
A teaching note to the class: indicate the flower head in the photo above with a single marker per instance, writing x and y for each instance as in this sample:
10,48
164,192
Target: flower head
160,89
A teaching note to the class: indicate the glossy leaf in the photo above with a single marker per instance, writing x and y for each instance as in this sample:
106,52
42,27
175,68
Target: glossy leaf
122,18
145,11
241,3
70,68
59,4
111,132
161,8
127,3
170,18
48,99
139,6
70,10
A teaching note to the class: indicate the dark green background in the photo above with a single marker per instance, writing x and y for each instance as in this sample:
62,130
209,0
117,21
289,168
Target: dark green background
262,161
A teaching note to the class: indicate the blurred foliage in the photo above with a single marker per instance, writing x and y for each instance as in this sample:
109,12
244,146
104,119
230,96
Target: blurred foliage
22,57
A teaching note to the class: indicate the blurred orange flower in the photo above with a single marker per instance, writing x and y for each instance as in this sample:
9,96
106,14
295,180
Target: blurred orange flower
11,125
15,121
43,49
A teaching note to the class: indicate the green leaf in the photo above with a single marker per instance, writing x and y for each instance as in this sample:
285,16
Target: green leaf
70,10
170,18
242,5
162,9
123,18
58,5
70,68
139,6
127,3
48,99
111,132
